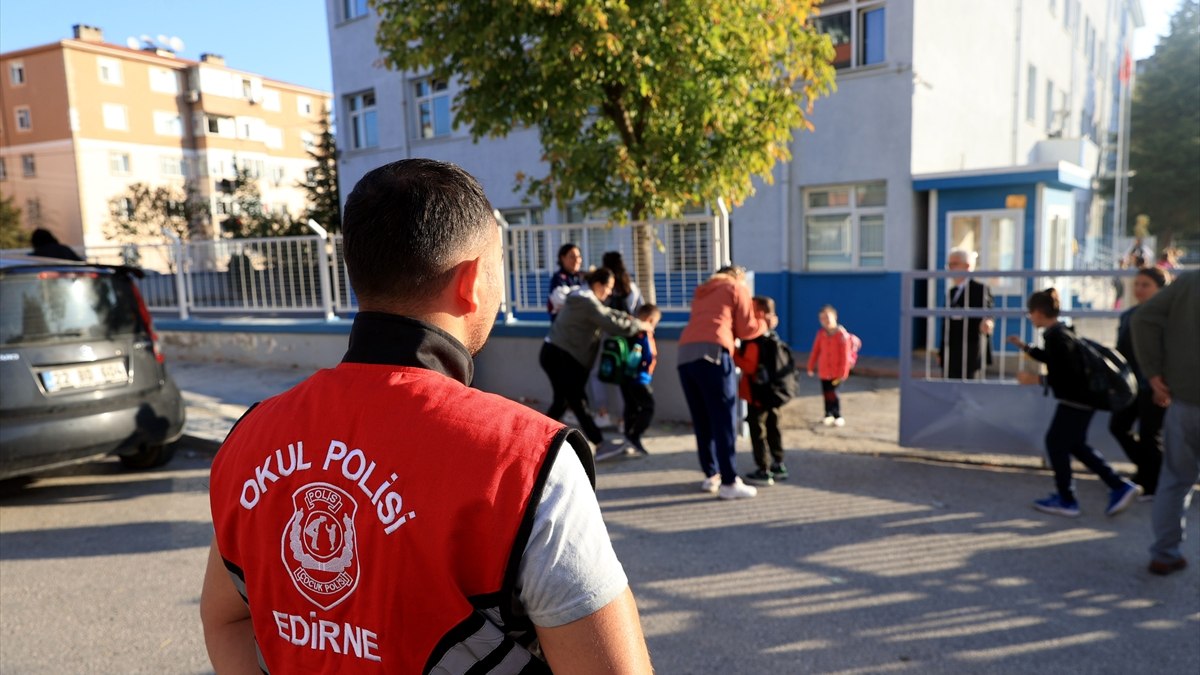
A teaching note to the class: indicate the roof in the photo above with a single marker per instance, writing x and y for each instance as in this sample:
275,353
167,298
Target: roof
1059,174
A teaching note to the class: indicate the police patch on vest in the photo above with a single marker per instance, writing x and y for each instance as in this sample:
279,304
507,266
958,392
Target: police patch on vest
318,544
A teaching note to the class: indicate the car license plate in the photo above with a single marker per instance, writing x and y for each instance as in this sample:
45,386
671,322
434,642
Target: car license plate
86,376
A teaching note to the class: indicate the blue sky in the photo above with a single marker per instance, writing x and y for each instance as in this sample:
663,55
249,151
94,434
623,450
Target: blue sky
286,41
282,40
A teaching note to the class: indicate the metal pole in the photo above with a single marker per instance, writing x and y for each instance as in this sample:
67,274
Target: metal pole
505,305
180,264
323,269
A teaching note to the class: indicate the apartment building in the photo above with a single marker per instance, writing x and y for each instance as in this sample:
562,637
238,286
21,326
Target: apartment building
955,123
82,119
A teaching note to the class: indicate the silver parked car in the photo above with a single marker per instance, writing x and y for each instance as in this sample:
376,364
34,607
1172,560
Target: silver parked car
81,373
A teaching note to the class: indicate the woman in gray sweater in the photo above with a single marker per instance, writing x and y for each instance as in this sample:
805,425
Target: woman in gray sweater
571,347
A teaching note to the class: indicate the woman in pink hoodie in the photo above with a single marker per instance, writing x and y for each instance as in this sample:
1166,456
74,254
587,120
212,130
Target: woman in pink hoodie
722,311
832,357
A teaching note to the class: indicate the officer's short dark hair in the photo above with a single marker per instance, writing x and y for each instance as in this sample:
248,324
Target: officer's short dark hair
408,224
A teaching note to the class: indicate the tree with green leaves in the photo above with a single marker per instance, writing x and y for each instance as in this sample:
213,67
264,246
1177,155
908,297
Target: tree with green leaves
643,108
12,235
144,212
321,182
1164,148
249,219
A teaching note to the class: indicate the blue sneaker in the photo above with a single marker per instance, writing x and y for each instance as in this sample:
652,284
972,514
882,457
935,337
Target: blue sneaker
1120,498
1056,505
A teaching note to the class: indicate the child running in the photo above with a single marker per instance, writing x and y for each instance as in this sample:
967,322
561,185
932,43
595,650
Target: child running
1067,435
635,388
832,358
765,386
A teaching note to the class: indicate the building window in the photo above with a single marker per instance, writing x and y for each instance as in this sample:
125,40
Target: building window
167,124
164,81
24,119
360,108
219,125
110,71
3,169
16,73
844,226
303,105
169,165
352,9
118,163
115,117
857,30
433,108
33,211
1031,94
28,166
1049,106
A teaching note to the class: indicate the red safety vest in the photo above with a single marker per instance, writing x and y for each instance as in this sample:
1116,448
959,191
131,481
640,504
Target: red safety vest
374,517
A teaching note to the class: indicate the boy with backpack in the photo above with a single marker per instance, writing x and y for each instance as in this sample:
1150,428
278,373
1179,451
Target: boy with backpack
768,381
629,363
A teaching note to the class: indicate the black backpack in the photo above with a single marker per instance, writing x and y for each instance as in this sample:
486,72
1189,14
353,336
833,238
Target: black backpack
777,381
1110,381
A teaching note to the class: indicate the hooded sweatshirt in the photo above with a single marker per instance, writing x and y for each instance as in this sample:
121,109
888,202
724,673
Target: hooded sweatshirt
722,310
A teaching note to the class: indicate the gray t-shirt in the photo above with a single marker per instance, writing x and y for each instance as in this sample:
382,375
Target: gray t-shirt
569,569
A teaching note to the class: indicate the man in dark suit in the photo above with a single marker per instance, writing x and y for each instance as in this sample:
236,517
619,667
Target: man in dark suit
965,340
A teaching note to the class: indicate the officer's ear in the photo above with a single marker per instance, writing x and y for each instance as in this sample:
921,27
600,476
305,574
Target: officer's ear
465,286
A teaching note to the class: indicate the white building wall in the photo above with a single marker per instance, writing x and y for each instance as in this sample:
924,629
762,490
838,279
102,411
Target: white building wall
494,162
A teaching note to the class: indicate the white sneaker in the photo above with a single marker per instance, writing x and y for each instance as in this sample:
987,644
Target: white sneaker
711,484
737,490
828,421
839,422
609,450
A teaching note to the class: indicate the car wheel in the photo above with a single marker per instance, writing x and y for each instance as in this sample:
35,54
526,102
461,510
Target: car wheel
149,456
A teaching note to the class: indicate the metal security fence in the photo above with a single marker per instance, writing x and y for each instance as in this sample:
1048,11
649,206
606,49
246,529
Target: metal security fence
306,276
990,412
686,251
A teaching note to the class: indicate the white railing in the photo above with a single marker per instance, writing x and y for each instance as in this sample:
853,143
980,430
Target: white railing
306,276
685,251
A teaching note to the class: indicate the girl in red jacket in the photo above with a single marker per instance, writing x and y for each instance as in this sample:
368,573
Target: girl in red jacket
833,354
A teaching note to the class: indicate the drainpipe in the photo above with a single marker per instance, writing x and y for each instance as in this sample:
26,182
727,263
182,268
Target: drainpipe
1016,95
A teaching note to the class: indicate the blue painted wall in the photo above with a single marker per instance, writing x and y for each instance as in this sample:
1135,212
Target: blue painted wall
868,305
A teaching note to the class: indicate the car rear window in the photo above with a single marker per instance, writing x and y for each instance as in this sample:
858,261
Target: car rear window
59,306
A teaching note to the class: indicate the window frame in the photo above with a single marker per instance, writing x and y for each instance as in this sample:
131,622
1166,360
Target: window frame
28,165
33,211
853,214
165,118
857,46
104,112
349,6
122,167
1031,91
117,76
431,99
16,73
3,169
357,118
28,118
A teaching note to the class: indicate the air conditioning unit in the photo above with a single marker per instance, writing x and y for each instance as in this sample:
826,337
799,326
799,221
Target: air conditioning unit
192,96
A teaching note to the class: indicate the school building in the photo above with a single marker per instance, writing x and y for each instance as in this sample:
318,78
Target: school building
986,125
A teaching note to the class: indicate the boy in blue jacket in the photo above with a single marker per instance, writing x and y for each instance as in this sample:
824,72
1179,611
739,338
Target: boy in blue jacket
635,389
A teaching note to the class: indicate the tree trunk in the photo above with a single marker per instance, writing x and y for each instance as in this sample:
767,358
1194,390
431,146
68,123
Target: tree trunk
643,260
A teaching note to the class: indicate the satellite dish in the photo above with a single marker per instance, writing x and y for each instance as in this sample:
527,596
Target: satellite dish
162,39
132,42
176,43
146,39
